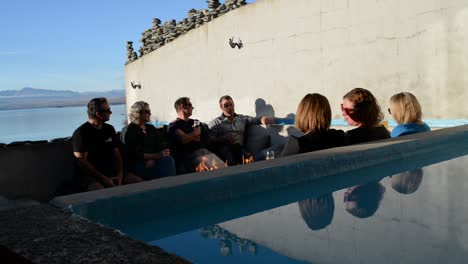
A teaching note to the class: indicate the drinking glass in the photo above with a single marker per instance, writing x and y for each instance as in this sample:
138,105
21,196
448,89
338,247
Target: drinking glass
270,155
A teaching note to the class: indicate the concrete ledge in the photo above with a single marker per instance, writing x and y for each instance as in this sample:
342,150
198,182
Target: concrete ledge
189,191
45,234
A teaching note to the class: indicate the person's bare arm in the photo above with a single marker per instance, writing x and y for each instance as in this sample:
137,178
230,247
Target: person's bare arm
89,169
186,138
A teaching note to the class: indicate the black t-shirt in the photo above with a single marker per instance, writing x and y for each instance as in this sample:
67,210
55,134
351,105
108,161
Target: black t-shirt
314,141
99,144
366,134
183,150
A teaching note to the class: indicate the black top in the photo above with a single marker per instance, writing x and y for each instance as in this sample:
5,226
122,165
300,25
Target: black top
366,134
314,141
179,150
98,143
138,143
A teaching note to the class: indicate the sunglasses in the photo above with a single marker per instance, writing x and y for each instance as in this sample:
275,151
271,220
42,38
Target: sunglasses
190,105
105,111
347,111
146,112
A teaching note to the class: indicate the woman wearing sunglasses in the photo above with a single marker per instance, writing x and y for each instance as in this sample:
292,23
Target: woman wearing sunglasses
360,109
406,111
144,145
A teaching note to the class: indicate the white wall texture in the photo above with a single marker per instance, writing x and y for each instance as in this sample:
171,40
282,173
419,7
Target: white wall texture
303,46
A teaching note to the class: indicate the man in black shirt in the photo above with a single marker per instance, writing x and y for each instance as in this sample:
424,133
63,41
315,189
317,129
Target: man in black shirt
188,138
95,146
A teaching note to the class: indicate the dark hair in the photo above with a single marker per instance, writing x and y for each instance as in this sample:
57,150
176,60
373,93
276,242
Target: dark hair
366,109
95,105
225,97
181,101
317,212
368,197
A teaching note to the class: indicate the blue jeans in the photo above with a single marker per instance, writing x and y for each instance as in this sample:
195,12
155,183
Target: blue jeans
164,167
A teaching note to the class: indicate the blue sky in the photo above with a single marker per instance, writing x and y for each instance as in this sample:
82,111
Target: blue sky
76,45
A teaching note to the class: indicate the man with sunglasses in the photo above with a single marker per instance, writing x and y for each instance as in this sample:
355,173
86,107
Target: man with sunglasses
188,137
95,147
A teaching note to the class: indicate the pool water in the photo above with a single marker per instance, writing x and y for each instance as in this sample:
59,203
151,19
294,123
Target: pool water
415,217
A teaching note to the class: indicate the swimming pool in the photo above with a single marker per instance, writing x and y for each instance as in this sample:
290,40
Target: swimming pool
427,225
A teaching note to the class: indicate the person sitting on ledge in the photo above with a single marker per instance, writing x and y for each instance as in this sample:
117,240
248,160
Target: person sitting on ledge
360,109
227,131
95,146
406,111
146,154
313,118
188,138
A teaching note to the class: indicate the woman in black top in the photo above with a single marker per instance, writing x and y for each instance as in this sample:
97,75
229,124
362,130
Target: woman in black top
360,109
147,156
313,118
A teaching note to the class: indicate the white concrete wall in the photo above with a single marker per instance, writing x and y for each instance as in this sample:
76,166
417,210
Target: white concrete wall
327,46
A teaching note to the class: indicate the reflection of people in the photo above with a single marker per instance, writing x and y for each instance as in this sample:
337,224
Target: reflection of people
146,155
362,201
406,111
95,146
317,212
226,247
188,137
227,131
407,182
360,109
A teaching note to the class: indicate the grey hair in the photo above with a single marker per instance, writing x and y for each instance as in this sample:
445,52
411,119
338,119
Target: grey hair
135,111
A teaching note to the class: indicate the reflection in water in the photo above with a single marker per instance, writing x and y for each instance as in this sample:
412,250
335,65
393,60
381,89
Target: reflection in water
407,182
317,212
362,201
226,239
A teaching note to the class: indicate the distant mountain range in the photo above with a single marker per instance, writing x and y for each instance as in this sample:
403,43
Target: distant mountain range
39,98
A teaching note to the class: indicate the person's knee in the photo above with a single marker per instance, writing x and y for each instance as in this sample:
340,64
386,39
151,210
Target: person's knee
132,178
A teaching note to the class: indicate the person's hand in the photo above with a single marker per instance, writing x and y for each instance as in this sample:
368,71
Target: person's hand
267,120
106,182
165,153
196,131
150,164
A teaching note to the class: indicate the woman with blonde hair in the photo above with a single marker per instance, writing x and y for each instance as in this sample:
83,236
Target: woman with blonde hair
360,109
147,155
313,118
406,111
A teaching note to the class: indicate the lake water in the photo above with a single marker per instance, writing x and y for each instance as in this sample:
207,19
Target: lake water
49,123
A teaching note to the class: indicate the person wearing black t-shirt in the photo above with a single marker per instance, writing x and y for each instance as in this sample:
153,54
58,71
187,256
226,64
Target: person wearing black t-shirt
360,109
95,146
188,138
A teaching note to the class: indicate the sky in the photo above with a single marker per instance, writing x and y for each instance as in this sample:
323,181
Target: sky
76,45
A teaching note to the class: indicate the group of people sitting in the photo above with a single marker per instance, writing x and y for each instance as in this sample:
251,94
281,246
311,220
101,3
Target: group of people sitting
151,153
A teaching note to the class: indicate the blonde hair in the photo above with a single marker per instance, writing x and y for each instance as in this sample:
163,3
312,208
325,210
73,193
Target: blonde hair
313,113
405,108
135,111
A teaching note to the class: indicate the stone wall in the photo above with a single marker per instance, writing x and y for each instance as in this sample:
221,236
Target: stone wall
290,48
159,35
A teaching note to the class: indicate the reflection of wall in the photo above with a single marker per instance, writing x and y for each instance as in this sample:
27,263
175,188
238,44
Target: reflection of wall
428,226
295,47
